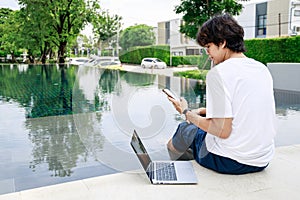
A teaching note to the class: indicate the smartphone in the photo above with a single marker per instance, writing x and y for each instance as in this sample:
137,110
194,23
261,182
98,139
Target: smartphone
170,94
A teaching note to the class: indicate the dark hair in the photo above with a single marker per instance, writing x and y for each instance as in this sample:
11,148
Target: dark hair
222,28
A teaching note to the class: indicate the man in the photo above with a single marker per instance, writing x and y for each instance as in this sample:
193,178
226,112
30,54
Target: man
236,136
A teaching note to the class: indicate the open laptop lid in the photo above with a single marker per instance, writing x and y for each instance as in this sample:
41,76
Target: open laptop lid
185,170
140,151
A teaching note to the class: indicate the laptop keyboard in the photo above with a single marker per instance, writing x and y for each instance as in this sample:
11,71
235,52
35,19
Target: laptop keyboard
165,171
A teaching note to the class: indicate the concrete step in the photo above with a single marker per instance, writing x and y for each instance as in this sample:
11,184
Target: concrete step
279,181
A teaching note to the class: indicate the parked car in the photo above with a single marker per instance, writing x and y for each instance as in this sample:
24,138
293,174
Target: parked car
153,63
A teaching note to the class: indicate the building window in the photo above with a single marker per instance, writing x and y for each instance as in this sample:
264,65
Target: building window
167,33
177,53
192,52
261,25
297,13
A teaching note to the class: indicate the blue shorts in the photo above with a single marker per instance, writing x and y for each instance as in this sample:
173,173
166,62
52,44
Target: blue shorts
189,136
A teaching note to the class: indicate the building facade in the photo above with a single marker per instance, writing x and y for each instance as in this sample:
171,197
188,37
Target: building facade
270,18
294,26
168,33
259,18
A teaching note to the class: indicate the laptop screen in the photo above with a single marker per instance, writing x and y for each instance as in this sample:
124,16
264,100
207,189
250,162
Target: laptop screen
140,150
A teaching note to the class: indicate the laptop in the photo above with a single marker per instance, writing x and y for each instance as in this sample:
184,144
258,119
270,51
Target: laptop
163,172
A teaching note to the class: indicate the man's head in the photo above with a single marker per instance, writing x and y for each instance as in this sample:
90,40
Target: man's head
220,29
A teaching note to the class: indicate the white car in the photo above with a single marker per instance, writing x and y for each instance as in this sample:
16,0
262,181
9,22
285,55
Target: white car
153,63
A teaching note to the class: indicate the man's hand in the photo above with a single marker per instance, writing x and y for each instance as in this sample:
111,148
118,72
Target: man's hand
180,106
200,111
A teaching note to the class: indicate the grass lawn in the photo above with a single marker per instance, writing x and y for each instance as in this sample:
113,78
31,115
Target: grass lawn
194,74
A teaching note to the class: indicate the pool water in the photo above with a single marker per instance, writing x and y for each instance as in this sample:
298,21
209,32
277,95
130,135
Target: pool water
64,123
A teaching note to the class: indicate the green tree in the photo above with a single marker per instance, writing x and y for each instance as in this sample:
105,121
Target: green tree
59,22
4,16
9,31
138,35
106,27
196,12
36,31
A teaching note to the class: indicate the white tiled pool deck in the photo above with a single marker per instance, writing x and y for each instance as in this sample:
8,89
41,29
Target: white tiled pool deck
279,181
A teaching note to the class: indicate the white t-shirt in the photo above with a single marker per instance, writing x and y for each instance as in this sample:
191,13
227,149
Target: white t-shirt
242,89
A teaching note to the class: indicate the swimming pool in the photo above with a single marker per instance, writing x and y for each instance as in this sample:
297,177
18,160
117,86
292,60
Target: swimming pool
59,124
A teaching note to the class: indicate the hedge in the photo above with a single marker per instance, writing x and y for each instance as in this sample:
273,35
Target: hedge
193,74
268,50
265,50
135,55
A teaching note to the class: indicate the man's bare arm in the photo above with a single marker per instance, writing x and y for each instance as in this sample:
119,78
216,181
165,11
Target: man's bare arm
220,127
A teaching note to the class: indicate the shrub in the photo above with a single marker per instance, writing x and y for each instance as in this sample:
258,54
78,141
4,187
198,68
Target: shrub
265,50
268,50
135,55
193,74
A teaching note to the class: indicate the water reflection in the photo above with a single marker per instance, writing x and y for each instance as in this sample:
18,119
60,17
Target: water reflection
42,90
55,141
288,114
127,101
66,124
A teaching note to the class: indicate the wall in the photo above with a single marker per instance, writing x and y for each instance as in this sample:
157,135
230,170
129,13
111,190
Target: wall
274,8
161,35
247,20
285,76
178,42
295,20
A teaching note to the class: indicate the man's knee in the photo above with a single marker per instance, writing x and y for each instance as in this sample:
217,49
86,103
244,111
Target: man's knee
171,147
173,153
176,155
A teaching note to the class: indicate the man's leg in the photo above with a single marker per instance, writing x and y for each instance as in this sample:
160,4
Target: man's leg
179,144
218,163
176,155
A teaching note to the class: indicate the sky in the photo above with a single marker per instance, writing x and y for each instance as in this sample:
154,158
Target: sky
148,12
12,4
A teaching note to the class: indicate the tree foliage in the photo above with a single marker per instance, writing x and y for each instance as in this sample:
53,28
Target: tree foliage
138,35
35,31
106,25
106,28
4,15
196,12
9,31
55,23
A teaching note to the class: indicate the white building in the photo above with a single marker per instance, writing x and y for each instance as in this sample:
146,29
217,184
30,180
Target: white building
259,18
248,18
294,17
270,18
168,33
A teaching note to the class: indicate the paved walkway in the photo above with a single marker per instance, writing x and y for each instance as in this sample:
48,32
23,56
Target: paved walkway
279,181
167,71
